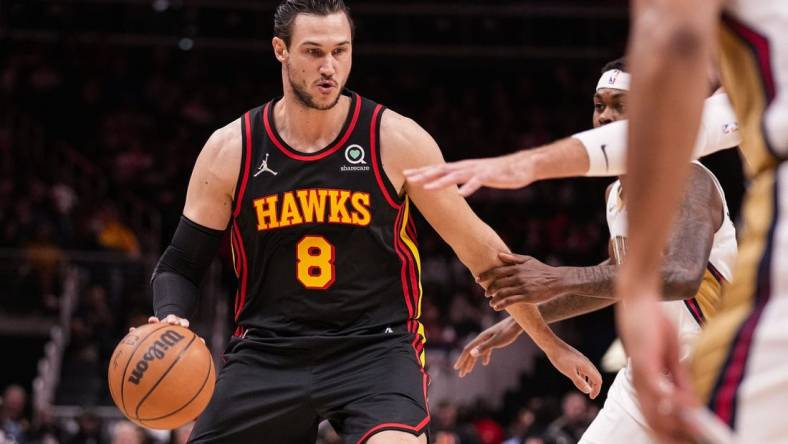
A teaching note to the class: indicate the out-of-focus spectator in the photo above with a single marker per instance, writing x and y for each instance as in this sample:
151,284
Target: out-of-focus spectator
573,422
92,320
448,429
487,428
45,429
490,432
522,426
45,257
591,412
12,413
113,234
89,431
125,432
64,200
129,165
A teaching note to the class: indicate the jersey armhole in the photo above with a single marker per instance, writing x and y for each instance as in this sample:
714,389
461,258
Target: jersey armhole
246,159
384,184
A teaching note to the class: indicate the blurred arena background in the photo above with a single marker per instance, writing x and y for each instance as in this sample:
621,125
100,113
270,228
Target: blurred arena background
104,105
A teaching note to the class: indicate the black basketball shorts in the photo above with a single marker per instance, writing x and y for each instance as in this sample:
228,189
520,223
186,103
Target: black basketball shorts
277,391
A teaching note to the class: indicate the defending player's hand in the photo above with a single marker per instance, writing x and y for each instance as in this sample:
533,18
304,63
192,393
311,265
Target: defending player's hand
499,335
520,279
579,369
661,381
494,172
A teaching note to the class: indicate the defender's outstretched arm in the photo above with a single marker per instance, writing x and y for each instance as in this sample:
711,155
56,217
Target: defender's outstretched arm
596,152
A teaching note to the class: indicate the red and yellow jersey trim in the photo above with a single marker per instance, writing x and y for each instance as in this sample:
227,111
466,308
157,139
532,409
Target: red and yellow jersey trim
407,249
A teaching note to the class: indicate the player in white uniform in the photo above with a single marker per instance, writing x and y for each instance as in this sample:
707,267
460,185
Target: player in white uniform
703,234
620,420
741,365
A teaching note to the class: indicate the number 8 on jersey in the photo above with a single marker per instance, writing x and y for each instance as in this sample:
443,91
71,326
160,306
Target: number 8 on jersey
315,262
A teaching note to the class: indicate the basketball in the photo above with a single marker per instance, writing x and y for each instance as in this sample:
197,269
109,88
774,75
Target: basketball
161,376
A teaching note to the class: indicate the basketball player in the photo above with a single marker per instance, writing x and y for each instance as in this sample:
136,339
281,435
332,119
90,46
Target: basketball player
698,258
741,361
324,246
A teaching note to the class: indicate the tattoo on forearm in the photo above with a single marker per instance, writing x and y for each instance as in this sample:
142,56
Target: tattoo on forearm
597,281
571,305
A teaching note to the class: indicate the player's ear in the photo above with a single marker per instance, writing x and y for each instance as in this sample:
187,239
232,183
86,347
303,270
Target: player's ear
280,49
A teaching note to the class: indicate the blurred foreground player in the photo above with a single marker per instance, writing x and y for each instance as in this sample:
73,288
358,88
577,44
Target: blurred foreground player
324,246
740,368
697,260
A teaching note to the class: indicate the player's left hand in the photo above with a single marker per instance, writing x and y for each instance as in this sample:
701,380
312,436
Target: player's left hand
499,335
520,279
494,172
579,369
661,381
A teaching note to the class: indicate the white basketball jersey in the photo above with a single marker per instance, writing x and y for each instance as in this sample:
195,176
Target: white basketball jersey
721,259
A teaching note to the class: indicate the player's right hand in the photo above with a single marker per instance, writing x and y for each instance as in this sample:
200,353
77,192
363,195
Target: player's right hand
498,336
494,172
169,319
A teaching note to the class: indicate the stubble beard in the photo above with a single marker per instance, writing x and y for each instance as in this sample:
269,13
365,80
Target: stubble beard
305,98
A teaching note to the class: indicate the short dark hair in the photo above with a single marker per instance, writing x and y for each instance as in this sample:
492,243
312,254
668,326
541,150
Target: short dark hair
288,10
619,64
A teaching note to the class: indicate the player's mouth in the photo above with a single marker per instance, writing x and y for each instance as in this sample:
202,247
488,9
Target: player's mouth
326,86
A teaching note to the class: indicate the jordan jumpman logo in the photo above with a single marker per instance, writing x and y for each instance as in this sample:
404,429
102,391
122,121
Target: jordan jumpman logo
263,168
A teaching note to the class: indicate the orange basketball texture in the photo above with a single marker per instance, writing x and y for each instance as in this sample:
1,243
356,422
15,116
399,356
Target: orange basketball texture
161,376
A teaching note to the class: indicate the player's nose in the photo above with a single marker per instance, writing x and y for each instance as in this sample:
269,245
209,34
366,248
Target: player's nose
606,117
327,67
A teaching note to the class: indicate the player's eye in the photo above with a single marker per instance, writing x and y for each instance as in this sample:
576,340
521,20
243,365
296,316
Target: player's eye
599,107
314,52
339,51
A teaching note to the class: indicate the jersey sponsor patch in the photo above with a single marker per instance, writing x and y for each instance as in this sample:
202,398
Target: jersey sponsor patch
355,156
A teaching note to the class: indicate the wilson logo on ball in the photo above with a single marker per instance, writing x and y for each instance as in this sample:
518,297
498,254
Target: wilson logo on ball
155,351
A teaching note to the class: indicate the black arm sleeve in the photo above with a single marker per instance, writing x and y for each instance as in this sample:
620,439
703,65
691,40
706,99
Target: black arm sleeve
177,276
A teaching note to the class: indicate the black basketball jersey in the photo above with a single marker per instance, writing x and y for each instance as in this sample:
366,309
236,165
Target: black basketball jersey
322,243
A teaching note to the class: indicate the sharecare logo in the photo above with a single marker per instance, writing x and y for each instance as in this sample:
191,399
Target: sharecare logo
155,351
355,154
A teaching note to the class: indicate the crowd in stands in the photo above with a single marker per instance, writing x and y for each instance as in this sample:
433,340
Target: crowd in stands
130,122
17,426
539,420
